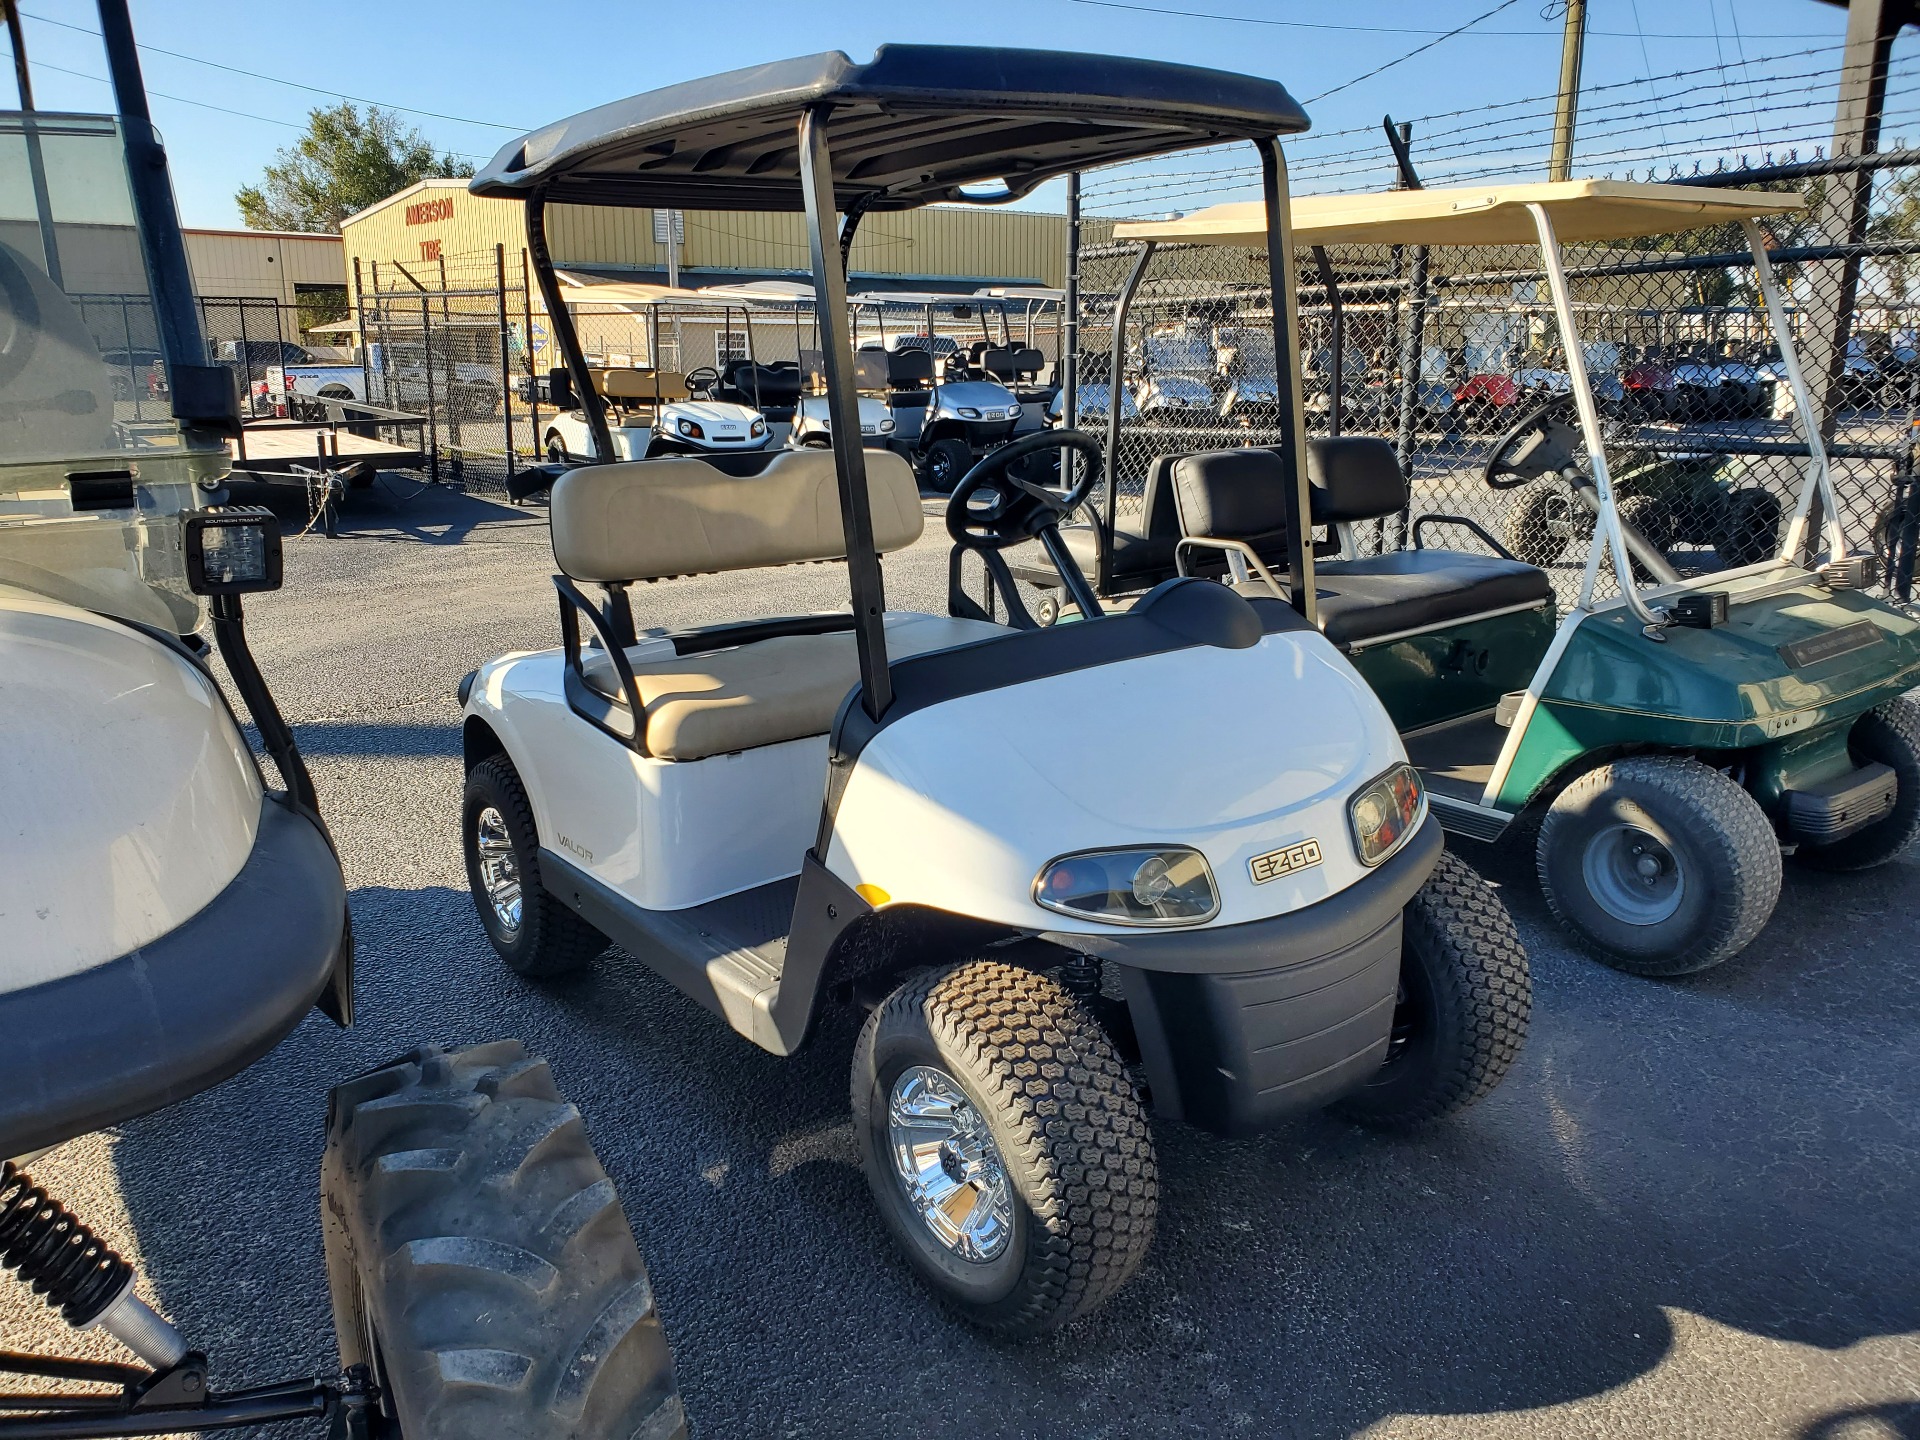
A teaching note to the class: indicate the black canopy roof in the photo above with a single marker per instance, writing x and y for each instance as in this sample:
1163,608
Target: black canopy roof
911,126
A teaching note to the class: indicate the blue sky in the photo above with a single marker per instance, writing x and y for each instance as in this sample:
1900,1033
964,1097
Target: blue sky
520,65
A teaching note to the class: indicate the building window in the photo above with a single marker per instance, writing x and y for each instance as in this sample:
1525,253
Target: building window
729,345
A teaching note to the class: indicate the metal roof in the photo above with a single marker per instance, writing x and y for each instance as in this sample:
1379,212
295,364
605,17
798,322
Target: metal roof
914,125
1474,215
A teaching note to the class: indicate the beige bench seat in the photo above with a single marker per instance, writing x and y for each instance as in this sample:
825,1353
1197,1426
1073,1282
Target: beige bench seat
784,688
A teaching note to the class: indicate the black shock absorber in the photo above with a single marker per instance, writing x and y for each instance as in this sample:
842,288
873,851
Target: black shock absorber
50,1248
75,1271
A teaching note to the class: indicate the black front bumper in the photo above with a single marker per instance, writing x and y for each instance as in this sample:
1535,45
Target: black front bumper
185,1011
1241,1026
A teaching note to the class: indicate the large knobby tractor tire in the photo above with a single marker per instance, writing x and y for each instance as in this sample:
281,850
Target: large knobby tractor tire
480,1263
1461,1016
1004,1145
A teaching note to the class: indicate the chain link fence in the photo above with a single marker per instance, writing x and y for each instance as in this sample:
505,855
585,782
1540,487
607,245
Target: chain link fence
1444,351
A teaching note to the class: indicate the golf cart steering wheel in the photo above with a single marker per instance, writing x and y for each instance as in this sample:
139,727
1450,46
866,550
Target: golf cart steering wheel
701,382
1544,441
992,509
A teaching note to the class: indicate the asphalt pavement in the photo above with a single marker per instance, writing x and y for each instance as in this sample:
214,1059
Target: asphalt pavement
1692,1210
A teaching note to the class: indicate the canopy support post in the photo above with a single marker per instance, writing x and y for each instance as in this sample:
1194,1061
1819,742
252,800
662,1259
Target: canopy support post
1607,532
843,414
1819,477
1286,352
561,319
1116,389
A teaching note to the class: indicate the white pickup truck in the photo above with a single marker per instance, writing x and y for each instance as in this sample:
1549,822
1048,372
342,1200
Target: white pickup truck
400,379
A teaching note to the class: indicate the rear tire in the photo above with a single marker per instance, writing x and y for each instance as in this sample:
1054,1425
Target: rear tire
1889,735
535,933
1659,865
1070,1164
480,1262
1750,529
1465,995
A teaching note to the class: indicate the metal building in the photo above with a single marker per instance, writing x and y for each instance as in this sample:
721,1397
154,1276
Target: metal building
436,223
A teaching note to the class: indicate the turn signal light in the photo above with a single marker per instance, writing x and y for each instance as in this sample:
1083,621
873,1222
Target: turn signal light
1385,813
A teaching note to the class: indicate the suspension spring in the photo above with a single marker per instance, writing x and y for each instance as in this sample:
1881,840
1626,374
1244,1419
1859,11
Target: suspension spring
51,1249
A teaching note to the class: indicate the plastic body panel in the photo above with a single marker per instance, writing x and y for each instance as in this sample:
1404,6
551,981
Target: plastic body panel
663,834
1463,669
186,1009
1235,752
126,749
1727,690
1277,1016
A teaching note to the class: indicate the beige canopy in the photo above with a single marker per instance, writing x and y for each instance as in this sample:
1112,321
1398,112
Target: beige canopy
580,291
1474,215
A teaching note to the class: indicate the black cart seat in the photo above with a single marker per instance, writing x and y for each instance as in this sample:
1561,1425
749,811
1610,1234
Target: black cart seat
1240,495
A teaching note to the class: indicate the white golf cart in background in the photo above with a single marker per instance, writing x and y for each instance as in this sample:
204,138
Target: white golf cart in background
652,410
908,812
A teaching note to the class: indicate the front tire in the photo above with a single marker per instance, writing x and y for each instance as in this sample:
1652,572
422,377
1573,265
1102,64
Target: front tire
1889,735
1465,995
1543,519
480,1263
535,933
944,463
1659,865
990,1079
557,450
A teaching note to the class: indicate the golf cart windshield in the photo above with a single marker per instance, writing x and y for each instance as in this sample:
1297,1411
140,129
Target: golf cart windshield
832,137
93,466
1525,342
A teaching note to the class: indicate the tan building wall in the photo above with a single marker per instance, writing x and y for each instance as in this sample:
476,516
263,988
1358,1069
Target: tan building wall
437,222
264,263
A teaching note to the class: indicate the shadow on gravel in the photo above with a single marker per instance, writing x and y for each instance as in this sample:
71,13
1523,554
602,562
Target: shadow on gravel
1651,1150
349,737
396,508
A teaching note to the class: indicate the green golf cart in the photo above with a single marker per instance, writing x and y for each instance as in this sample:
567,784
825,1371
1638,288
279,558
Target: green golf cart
1673,734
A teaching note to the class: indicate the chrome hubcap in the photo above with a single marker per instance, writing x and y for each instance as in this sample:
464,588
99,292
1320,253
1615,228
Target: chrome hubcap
499,870
947,1163
1634,877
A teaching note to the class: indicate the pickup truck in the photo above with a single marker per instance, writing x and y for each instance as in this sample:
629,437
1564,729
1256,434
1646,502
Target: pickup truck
460,390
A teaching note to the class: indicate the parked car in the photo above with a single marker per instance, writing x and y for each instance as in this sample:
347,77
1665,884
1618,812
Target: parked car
131,372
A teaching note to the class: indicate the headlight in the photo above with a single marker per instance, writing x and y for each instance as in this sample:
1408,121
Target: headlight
691,429
1013,412
232,551
758,429
1170,886
885,425
967,412
1385,813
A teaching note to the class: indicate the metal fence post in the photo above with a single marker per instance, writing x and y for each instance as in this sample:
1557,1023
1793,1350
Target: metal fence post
506,377
533,372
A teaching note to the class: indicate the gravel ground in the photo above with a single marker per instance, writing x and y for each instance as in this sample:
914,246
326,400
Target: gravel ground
1691,1210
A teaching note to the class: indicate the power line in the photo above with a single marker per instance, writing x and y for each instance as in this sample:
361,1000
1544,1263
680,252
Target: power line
1417,50
1409,29
204,104
272,79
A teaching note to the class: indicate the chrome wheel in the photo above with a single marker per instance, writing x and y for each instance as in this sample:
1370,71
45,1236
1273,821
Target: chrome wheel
1634,877
499,869
946,1162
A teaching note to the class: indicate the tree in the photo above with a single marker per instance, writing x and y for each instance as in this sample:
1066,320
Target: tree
347,160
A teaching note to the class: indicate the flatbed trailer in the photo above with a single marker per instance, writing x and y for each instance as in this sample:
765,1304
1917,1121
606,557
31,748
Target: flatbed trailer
327,457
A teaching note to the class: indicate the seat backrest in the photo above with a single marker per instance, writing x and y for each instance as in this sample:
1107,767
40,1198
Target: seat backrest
999,364
1159,512
909,369
1028,361
1353,477
1231,494
629,383
679,515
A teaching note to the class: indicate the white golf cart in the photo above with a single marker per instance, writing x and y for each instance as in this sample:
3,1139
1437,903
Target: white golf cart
1227,899
652,411
172,907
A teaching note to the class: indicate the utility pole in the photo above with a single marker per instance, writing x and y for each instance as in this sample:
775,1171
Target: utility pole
1560,167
